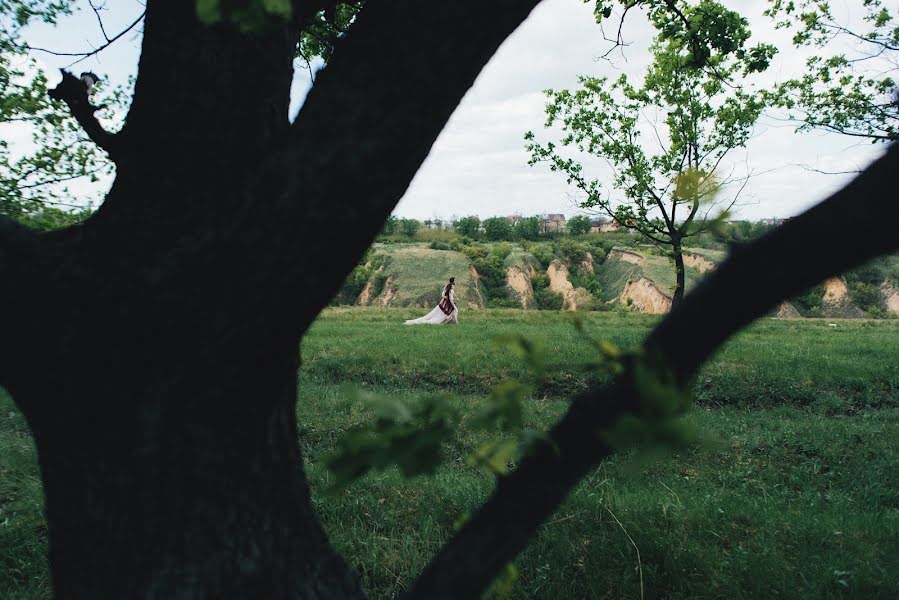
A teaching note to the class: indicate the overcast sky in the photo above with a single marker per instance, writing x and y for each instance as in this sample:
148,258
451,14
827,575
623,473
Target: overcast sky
478,164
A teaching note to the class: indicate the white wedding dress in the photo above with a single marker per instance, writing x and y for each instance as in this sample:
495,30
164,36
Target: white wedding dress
437,316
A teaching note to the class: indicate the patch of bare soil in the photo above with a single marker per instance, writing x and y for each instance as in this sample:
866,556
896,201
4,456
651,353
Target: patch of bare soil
645,296
587,265
699,262
835,290
389,293
786,311
628,256
890,297
519,281
836,300
558,283
365,296
476,302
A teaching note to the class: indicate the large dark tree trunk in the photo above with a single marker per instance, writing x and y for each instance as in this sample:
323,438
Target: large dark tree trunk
154,349
180,477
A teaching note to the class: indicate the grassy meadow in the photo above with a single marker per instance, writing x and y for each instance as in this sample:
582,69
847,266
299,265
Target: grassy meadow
797,495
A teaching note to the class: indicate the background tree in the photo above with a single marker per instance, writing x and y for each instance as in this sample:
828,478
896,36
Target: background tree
162,392
497,228
851,90
62,155
528,228
391,225
468,226
409,227
578,225
665,169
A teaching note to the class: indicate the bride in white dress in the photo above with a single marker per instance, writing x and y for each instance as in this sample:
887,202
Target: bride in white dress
445,312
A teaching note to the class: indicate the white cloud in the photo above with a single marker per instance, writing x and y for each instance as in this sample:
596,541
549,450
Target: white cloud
478,164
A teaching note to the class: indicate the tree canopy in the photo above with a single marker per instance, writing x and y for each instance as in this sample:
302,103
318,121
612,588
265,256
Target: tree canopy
662,139
850,89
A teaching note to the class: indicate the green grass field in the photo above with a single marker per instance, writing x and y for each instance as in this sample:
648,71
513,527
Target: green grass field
796,496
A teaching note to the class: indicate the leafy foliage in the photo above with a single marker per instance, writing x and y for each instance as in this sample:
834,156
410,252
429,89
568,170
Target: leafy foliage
704,113
37,174
853,93
468,226
497,228
407,437
527,228
578,225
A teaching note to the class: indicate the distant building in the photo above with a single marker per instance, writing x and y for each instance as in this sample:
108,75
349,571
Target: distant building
553,222
514,219
601,224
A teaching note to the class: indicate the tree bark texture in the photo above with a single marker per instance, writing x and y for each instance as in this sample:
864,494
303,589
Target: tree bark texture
154,349
680,275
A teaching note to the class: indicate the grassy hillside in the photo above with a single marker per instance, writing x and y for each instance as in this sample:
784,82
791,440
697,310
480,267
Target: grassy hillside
417,275
615,273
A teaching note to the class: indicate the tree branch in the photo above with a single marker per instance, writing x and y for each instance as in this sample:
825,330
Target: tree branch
361,137
72,91
95,51
686,338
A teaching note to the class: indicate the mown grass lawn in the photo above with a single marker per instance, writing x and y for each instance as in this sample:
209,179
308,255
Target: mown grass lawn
795,496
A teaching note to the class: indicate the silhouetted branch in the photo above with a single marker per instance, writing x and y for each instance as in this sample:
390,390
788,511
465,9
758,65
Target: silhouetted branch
73,92
97,50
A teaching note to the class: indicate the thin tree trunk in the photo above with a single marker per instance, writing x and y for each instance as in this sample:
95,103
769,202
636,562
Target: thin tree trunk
680,282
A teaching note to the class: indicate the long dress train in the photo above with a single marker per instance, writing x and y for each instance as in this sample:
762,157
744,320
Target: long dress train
439,316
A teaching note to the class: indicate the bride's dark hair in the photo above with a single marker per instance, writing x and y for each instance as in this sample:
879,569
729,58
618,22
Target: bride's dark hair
452,282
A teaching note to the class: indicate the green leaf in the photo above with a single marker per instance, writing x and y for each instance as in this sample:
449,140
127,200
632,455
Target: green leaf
209,11
494,456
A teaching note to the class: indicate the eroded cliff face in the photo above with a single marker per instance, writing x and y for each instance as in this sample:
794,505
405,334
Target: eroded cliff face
836,300
835,290
787,311
890,297
627,256
643,295
698,262
519,281
559,283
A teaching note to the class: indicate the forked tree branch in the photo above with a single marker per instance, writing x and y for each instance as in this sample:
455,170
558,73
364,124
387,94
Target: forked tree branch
72,91
361,137
790,259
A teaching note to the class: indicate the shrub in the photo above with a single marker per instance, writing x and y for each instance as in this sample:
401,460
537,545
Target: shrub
435,235
544,298
409,227
579,225
497,228
468,226
866,296
440,246
548,300
503,249
355,282
528,229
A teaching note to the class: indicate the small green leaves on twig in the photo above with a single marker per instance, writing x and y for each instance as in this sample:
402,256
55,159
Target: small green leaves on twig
662,403
408,437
